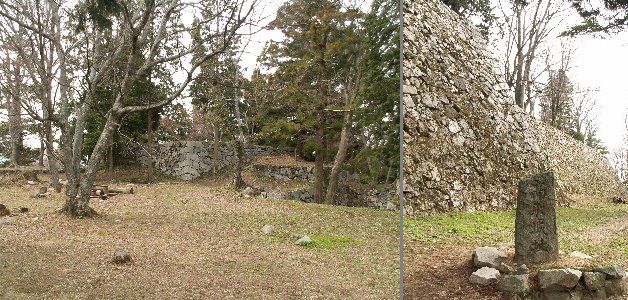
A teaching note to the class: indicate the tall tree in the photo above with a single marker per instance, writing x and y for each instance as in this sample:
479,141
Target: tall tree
149,35
606,16
527,26
309,59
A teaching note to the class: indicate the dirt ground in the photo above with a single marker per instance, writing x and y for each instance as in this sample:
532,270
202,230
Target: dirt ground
195,241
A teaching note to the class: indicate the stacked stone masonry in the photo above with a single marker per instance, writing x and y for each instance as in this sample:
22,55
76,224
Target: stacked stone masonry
466,144
190,159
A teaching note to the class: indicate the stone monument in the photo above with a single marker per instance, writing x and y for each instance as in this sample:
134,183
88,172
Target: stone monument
536,237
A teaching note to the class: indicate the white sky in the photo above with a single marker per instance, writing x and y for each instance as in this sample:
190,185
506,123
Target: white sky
602,64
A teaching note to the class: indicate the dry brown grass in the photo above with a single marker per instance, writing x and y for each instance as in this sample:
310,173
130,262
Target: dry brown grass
195,241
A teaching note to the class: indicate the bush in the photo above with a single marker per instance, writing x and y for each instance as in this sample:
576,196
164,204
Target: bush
279,133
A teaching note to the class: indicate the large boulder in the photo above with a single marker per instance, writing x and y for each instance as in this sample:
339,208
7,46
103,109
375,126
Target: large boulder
558,279
594,280
484,276
488,257
612,272
517,284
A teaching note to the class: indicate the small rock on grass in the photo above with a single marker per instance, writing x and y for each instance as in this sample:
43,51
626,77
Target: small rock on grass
121,257
580,255
4,211
5,221
304,241
23,210
267,229
484,276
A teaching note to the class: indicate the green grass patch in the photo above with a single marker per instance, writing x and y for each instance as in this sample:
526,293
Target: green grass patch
329,241
498,226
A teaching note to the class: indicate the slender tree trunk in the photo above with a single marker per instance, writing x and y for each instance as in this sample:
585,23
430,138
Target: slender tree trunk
15,126
238,181
319,158
53,168
110,161
149,146
42,146
216,146
343,145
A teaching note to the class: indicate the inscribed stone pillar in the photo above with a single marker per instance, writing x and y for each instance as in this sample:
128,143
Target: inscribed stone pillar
536,238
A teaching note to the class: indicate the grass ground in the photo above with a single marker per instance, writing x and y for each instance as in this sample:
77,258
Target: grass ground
438,248
196,241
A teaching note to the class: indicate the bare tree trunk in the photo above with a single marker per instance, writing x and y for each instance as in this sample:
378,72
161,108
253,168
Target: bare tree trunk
110,161
78,206
149,146
42,146
49,137
15,125
238,181
319,159
343,145
216,145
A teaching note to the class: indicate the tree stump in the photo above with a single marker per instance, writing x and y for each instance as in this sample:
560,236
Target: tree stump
536,237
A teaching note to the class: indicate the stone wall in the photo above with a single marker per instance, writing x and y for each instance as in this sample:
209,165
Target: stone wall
190,159
466,144
300,173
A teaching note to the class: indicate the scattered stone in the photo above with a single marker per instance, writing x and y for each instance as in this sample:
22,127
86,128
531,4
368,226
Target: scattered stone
558,279
30,182
620,200
30,176
391,206
278,196
268,229
536,238
522,269
594,280
484,276
23,210
297,235
506,268
251,192
580,255
616,287
488,257
612,272
39,192
121,257
304,241
518,284
4,211
5,221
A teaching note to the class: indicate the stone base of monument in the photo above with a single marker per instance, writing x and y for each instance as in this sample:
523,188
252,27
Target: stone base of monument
494,269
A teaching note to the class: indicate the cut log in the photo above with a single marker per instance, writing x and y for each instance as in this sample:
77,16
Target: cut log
128,190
